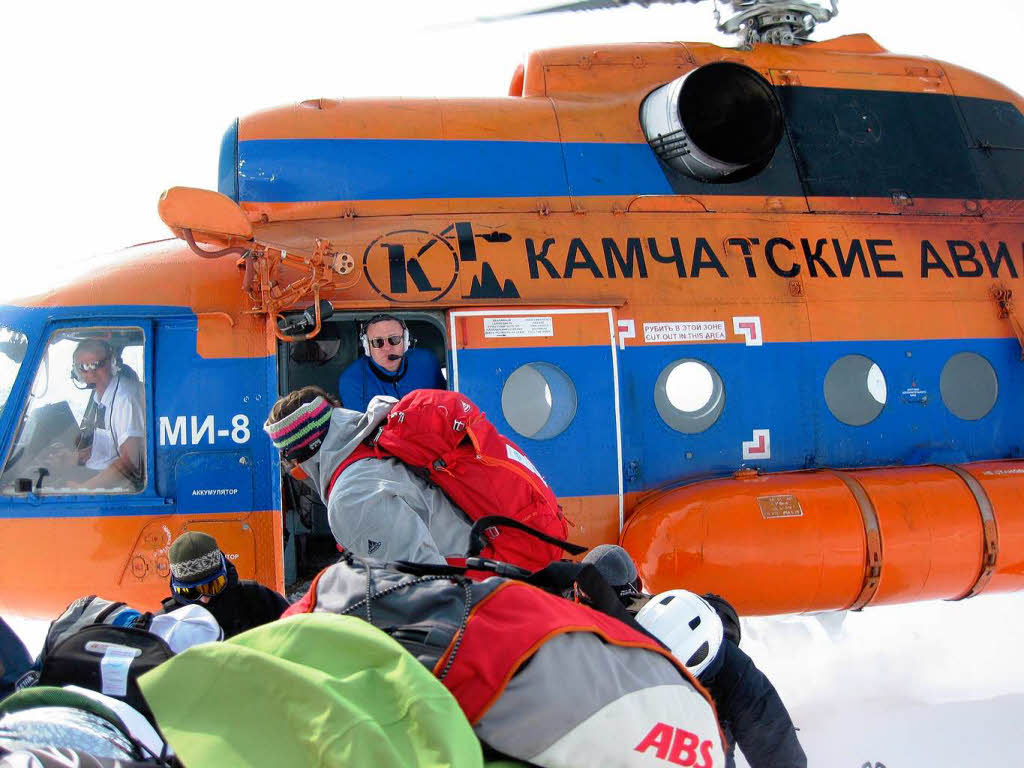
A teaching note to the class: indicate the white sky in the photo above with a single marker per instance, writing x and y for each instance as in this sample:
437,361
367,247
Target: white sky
107,104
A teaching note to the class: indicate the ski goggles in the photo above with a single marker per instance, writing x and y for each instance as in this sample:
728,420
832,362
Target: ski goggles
394,341
193,592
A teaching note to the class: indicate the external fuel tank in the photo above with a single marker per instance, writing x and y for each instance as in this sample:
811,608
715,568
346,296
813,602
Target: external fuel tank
830,540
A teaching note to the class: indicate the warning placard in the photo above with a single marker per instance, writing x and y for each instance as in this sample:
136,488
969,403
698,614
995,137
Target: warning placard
661,333
517,327
784,505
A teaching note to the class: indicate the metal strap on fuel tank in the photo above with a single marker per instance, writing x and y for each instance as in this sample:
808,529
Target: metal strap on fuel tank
872,540
990,532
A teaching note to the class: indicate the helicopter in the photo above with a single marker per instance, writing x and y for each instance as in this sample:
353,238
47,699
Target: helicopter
749,310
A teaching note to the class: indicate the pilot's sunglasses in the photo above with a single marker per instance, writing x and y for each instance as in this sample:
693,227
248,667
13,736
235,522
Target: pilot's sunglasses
192,593
90,367
394,341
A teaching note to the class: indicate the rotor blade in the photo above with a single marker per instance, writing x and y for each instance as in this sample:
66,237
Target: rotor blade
581,5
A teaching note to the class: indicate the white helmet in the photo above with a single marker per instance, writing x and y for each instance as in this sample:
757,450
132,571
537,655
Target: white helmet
687,624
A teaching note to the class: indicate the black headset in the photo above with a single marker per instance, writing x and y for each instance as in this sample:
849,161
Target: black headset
379,318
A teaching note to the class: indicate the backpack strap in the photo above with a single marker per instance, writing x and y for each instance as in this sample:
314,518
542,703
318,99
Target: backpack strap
428,569
477,540
362,451
101,617
557,578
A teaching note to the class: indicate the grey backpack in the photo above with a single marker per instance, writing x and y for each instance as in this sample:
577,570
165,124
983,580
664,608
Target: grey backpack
540,678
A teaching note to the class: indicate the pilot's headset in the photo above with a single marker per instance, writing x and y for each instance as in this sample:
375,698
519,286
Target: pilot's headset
108,355
376,319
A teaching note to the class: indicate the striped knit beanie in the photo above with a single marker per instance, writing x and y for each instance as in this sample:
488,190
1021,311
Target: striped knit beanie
195,557
300,434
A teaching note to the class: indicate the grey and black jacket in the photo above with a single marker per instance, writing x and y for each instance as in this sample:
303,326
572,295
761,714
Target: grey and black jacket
381,508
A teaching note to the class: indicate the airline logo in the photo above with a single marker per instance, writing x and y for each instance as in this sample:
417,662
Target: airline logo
677,746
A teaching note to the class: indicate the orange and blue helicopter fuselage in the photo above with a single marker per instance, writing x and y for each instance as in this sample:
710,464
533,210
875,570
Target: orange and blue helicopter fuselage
795,385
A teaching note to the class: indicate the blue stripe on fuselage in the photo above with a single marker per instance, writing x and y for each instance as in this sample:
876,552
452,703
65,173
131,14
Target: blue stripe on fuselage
298,170
779,387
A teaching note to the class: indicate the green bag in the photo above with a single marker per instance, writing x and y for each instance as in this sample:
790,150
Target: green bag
310,690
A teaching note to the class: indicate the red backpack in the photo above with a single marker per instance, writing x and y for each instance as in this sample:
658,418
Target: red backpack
483,473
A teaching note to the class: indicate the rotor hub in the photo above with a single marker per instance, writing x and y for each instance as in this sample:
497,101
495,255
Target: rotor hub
778,22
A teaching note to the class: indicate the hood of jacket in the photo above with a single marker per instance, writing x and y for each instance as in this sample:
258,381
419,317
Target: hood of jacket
346,431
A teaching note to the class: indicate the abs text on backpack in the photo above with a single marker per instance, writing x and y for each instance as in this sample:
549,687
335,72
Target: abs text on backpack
540,678
481,471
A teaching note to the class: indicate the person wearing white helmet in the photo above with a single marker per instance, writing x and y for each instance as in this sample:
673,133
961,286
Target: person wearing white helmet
687,624
750,710
704,633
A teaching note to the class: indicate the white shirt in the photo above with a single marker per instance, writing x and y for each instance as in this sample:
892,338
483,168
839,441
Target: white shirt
123,417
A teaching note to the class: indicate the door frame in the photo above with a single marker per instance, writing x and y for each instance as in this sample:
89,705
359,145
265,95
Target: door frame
612,343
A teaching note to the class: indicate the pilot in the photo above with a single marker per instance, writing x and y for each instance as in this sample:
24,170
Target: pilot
704,633
114,427
377,508
389,366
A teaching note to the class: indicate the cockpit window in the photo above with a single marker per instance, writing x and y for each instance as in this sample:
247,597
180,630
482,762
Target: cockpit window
84,428
13,344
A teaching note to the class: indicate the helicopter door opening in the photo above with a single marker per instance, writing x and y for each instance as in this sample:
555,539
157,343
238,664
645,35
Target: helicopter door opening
548,379
309,544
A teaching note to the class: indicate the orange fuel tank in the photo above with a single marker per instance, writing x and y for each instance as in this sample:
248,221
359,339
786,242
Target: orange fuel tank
828,540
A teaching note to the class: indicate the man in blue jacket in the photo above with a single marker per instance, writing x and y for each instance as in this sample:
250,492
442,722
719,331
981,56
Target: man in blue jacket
388,367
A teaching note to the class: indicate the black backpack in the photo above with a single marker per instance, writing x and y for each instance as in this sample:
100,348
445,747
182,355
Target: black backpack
107,659
83,612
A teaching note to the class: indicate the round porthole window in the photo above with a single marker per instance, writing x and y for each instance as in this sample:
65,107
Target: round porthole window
855,390
968,385
689,395
538,401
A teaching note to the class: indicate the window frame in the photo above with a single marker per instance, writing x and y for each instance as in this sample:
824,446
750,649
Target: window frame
31,368
689,422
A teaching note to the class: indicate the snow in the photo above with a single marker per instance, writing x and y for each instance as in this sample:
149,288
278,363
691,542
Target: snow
31,631
923,684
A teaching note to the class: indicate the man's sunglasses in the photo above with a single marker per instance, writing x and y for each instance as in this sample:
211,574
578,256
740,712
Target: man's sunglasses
90,367
394,341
